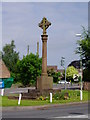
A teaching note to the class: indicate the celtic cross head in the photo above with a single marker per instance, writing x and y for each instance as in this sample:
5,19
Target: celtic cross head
44,24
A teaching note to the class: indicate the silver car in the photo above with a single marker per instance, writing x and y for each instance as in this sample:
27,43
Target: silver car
63,82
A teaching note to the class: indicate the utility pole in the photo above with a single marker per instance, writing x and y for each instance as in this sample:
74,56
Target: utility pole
37,48
63,65
81,96
28,50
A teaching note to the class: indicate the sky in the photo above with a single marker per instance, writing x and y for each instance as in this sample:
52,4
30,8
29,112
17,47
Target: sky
20,23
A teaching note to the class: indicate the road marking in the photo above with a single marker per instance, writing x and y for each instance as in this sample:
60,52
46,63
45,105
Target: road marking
73,116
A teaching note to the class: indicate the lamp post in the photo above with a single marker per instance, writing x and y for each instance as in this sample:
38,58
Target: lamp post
79,35
63,65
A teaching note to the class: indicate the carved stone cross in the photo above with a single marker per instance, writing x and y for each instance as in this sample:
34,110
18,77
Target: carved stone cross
44,24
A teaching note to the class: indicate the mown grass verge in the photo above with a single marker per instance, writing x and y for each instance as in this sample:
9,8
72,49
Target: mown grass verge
74,97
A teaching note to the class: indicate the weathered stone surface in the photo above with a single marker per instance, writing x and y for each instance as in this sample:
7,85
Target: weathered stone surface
44,24
44,54
44,82
86,86
34,94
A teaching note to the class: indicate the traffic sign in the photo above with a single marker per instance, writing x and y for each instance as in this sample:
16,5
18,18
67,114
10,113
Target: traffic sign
75,77
1,84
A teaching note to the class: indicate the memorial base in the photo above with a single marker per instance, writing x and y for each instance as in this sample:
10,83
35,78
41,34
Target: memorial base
44,82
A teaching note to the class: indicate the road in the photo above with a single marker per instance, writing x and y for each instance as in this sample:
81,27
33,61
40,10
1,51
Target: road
9,91
51,113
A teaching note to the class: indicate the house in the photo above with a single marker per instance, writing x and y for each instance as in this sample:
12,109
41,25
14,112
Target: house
52,68
4,72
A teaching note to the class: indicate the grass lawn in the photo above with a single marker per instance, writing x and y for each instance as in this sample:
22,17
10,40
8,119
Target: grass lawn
74,97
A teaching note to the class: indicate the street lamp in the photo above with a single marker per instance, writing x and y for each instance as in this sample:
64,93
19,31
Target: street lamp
79,35
63,65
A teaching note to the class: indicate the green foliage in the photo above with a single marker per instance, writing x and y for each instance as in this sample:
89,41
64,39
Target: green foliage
70,72
55,75
74,93
10,56
28,69
74,96
59,96
41,98
84,50
86,74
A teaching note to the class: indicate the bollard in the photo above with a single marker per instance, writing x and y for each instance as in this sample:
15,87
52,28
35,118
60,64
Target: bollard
2,92
50,97
20,95
80,94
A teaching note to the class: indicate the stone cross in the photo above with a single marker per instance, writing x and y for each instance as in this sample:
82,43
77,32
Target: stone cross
44,24
44,82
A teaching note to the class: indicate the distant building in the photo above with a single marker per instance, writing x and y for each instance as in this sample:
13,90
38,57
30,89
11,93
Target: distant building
52,68
61,71
56,69
4,72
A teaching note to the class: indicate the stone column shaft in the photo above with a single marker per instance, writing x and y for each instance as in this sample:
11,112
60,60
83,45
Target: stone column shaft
44,54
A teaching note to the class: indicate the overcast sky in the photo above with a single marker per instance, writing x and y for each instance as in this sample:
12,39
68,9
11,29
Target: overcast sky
20,23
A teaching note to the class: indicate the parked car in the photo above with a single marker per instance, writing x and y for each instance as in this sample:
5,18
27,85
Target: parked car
63,82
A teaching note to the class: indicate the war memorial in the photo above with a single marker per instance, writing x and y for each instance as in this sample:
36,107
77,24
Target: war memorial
44,83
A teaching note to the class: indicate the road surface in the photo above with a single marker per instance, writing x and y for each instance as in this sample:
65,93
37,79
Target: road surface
9,91
51,113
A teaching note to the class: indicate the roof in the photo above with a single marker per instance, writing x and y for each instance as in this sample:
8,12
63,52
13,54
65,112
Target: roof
75,63
52,67
60,70
4,72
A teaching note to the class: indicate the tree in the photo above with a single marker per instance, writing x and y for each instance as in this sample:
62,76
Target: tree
84,50
55,75
28,69
10,58
70,72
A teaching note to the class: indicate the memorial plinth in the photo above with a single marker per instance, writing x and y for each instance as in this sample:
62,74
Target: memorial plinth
44,82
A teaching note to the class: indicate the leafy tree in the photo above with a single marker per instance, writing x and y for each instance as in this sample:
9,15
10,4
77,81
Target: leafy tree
84,48
55,75
10,57
86,74
84,51
28,69
70,72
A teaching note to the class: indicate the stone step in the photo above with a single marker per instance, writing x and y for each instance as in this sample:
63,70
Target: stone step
33,94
